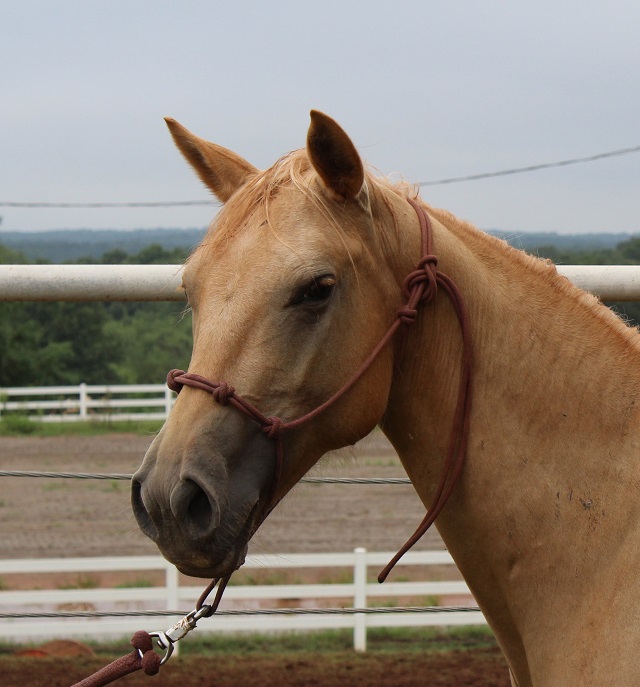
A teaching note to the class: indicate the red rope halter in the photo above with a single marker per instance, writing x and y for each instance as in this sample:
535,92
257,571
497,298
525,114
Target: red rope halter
420,286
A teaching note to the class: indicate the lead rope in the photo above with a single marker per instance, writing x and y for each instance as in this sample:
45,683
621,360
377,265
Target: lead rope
420,286
143,656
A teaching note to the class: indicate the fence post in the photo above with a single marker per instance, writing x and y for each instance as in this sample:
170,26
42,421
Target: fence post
168,401
360,598
171,581
83,401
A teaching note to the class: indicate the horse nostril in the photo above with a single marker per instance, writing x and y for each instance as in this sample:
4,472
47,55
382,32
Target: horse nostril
200,512
194,509
142,515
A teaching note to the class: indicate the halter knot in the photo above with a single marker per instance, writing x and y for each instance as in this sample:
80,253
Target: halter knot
407,314
273,428
223,393
172,381
425,273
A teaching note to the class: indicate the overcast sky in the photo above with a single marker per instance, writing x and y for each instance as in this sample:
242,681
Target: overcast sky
428,90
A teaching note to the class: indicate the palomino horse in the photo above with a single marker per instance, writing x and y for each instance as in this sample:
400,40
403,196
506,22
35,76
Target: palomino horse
296,283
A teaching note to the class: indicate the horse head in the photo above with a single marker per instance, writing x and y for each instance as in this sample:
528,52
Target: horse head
291,289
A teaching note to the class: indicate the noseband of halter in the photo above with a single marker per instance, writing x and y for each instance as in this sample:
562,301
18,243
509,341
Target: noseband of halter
420,286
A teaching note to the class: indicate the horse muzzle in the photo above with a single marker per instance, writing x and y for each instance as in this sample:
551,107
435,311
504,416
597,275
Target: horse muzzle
190,528
201,507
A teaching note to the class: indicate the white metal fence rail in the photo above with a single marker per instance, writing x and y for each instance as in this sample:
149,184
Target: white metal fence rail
91,283
100,402
355,593
163,282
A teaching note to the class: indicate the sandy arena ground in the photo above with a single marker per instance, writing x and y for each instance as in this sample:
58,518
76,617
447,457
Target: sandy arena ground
59,517
62,517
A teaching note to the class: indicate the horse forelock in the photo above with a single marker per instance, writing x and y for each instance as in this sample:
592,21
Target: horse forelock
294,170
254,204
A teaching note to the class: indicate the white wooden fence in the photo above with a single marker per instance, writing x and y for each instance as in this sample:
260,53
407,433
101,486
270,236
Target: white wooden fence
99,402
355,593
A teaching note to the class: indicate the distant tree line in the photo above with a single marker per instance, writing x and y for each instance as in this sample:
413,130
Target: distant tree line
135,343
625,253
44,344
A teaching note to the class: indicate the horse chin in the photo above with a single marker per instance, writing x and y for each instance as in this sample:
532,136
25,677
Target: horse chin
201,565
217,557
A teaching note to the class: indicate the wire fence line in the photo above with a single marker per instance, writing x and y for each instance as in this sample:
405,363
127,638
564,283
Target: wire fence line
140,204
531,168
435,182
369,610
128,477
99,611
65,475
430,614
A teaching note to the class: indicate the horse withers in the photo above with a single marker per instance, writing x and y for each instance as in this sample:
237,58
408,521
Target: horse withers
297,281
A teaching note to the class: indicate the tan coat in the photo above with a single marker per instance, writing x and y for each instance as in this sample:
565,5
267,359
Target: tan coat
543,522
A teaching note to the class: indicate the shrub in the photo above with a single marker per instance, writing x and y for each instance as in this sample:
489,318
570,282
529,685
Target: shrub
17,424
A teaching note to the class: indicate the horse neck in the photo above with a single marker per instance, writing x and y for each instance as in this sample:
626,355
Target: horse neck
544,518
545,353
551,445
550,366
547,357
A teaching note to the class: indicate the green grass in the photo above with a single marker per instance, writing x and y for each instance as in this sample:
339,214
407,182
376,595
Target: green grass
265,577
137,583
82,581
19,425
379,640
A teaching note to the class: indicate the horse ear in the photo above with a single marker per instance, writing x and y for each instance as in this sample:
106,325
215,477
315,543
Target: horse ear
334,156
220,169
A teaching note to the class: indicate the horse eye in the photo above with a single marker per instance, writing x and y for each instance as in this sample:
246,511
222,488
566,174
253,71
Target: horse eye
317,292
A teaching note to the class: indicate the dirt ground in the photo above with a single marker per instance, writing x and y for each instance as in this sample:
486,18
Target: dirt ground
471,668
60,517
63,517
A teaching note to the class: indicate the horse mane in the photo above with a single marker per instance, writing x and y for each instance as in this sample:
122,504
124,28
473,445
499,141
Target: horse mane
541,271
537,271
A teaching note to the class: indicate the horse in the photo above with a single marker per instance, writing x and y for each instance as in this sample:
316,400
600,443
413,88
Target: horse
295,287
